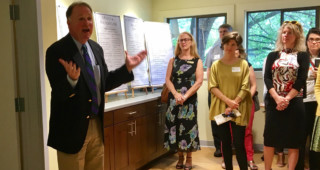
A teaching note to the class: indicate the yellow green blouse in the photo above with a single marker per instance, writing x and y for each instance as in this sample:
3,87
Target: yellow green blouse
317,92
232,81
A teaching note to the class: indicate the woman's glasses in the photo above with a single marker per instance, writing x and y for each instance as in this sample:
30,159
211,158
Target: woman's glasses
316,40
184,40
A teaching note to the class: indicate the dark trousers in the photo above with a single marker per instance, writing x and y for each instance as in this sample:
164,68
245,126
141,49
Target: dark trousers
214,128
310,108
238,133
314,160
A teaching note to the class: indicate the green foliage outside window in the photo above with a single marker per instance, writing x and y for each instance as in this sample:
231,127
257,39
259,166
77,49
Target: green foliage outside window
262,30
262,34
307,18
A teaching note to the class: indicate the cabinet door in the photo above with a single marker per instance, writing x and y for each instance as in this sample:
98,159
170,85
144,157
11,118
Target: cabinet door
162,108
121,145
139,142
108,148
152,133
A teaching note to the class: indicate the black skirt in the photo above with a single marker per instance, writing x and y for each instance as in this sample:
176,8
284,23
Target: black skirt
284,129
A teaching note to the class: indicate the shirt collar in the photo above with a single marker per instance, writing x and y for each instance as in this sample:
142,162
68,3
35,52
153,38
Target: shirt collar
79,45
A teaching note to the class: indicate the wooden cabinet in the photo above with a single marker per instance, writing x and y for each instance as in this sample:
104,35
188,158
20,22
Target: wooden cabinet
132,137
161,115
108,141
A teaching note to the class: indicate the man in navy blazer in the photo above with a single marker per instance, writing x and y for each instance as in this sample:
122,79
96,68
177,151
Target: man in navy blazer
75,131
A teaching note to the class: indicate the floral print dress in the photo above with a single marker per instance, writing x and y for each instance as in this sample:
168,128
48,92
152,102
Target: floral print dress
181,128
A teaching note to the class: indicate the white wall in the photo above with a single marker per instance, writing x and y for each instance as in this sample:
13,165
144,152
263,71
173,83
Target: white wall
9,141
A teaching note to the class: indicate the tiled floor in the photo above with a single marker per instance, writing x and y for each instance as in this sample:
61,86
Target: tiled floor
204,160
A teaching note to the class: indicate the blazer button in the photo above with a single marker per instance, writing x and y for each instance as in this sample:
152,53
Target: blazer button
90,100
88,117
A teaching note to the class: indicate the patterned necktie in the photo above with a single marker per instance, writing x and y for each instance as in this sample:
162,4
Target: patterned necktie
92,82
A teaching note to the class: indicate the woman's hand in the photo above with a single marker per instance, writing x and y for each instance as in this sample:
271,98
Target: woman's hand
232,104
282,103
179,98
228,111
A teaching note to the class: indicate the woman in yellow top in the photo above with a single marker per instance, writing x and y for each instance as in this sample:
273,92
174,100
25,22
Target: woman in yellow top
229,84
313,46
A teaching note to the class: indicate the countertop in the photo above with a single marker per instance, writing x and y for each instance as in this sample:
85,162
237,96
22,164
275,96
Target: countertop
130,101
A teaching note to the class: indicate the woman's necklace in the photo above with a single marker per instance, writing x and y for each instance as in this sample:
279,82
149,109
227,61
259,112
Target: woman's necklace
287,50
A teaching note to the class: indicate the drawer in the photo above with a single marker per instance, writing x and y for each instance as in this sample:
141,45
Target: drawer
108,119
129,113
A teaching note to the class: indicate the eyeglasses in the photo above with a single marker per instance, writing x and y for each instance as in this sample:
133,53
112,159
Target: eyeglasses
185,40
317,40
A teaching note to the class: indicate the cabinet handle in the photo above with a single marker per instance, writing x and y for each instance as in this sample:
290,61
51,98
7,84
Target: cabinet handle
131,130
159,105
160,118
132,113
135,127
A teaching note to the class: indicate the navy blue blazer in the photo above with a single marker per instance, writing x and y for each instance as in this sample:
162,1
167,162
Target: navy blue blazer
70,106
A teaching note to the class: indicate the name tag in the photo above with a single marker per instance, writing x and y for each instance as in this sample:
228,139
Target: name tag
235,69
216,57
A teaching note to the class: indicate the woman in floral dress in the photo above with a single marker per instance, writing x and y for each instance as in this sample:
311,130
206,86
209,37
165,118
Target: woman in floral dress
184,77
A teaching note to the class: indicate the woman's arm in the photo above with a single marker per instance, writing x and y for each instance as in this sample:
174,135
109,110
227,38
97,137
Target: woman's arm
317,87
197,84
244,89
253,82
169,83
303,60
231,103
269,81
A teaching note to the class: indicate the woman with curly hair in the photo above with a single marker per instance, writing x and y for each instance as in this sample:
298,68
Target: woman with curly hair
285,77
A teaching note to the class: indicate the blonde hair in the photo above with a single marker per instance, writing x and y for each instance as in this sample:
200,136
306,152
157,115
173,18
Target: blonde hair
297,30
193,47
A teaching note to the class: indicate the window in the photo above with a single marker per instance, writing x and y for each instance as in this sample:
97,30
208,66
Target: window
203,28
263,26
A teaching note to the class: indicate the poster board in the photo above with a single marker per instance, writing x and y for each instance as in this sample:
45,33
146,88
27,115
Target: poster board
135,43
159,47
62,26
109,36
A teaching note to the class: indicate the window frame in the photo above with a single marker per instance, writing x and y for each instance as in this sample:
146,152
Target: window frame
282,11
197,17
